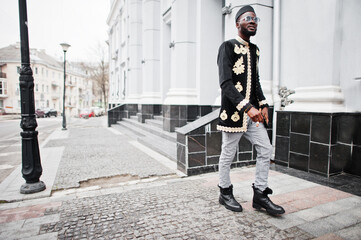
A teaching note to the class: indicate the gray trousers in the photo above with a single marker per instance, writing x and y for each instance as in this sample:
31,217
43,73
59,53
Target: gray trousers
257,136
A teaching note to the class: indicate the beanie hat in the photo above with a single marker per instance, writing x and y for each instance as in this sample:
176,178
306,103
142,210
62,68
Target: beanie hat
244,9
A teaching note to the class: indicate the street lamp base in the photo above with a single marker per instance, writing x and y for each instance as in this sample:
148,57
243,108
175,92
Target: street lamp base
28,188
64,128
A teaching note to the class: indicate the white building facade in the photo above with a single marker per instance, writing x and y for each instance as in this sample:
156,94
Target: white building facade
163,53
164,62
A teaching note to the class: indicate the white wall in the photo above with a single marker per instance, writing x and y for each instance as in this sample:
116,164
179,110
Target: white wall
350,60
307,42
209,38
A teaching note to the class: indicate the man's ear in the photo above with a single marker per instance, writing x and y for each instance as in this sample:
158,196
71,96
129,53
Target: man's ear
238,25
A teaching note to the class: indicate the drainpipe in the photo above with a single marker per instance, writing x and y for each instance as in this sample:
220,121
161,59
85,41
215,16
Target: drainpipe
276,67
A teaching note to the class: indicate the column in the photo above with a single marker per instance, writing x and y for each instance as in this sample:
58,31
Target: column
150,99
182,92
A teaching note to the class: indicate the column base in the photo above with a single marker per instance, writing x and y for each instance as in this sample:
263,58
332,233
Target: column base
28,188
148,111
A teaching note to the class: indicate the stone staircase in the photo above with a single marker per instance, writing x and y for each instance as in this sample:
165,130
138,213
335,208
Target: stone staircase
151,134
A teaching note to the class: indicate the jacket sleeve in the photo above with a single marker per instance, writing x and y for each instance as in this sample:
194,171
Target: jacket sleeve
225,66
237,99
262,102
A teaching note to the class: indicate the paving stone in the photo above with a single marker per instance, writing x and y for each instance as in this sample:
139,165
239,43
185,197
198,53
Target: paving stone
41,220
351,233
75,164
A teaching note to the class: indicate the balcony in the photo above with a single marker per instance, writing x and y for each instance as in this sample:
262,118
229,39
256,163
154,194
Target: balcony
70,84
2,75
54,84
69,105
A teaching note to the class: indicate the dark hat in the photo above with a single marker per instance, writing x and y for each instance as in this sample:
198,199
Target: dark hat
244,9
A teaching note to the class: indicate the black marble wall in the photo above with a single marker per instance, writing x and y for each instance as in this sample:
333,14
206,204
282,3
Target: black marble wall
199,146
148,111
179,115
122,111
324,143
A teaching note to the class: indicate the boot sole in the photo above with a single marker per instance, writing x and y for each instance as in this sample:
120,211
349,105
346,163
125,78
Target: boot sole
259,207
230,208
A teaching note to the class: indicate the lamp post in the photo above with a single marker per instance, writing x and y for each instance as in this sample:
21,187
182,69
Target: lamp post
65,47
31,165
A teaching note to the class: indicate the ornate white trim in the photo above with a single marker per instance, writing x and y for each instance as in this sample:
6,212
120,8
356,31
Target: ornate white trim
242,104
238,67
240,49
263,102
239,87
239,39
231,129
223,115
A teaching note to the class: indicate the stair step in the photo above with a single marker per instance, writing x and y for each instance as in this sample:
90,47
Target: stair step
134,117
172,136
155,122
164,146
158,117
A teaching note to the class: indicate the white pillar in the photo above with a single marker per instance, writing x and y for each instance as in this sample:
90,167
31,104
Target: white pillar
165,51
135,51
208,41
183,55
151,53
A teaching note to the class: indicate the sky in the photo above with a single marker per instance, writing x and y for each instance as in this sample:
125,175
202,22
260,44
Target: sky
80,23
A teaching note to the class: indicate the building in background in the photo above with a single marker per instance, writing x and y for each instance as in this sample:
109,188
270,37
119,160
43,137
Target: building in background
163,62
48,74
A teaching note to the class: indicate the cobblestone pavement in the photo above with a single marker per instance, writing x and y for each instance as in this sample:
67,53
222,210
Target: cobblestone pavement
93,152
155,203
186,208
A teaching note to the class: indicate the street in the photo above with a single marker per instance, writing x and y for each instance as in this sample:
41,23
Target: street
10,140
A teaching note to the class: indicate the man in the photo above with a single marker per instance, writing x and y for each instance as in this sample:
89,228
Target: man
242,97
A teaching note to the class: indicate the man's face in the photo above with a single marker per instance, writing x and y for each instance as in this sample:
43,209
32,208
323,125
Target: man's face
248,28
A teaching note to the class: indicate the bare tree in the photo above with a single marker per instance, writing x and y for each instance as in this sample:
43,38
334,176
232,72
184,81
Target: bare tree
99,72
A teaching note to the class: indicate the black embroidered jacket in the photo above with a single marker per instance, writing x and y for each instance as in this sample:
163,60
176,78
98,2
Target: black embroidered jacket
239,80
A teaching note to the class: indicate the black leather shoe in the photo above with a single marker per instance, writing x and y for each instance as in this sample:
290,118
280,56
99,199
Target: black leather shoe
226,198
261,200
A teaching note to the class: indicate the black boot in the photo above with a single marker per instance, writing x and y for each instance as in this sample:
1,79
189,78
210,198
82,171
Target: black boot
261,200
226,198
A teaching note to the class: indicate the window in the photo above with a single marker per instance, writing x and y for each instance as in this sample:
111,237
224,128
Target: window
18,69
47,89
47,103
42,88
3,89
37,87
1,103
36,70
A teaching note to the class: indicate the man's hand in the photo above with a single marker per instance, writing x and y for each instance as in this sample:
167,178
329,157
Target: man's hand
265,114
255,115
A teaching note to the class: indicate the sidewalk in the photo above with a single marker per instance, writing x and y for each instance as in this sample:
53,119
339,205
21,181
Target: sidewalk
107,186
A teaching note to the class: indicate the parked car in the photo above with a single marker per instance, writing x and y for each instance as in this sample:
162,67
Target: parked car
97,111
39,113
50,112
86,113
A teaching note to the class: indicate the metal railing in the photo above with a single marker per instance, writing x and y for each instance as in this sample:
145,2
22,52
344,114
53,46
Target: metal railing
115,114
